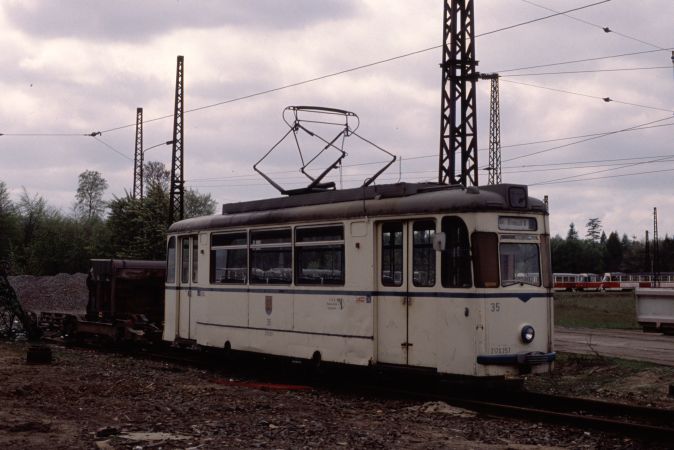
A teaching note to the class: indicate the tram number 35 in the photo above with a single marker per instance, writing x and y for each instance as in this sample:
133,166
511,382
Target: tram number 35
495,307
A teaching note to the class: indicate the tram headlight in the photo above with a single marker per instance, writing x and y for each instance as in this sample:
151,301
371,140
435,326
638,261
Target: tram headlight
527,334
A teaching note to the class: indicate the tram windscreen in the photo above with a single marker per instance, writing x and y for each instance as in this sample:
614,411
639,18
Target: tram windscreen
520,264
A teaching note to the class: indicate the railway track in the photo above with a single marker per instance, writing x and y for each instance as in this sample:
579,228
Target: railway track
640,422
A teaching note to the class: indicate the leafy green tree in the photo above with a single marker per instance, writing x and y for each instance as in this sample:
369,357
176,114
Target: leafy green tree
572,234
138,227
197,204
8,224
593,229
89,198
156,173
614,253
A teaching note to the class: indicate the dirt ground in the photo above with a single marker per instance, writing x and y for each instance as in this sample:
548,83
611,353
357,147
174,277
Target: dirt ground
87,399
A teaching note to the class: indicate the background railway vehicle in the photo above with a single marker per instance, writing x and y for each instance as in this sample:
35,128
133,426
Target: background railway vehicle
428,276
611,281
126,303
655,309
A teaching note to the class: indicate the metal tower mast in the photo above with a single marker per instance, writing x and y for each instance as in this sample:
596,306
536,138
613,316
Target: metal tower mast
458,124
494,130
656,251
177,197
648,262
138,159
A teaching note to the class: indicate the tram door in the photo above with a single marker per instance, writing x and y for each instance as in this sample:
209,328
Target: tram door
406,269
187,277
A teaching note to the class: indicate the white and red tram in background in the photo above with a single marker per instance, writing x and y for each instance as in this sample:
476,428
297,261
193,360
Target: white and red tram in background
450,279
610,281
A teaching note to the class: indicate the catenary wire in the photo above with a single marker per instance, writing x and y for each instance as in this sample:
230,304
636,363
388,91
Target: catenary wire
596,97
605,29
570,72
352,69
112,148
540,183
577,61
411,158
587,139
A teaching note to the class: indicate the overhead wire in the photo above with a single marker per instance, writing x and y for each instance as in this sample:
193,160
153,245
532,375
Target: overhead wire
112,148
596,97
591,138
601,178
352,69
648,125
605,29
577,61
573,72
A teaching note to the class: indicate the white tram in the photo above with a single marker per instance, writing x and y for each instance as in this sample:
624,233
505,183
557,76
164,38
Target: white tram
419,275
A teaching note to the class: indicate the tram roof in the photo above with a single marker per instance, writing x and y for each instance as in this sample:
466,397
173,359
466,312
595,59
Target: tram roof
372,201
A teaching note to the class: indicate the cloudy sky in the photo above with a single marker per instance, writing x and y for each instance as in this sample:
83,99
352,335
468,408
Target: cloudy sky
75,67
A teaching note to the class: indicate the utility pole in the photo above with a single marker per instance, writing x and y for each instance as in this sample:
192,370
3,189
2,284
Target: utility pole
656,250
177,189
494,130
138,158
458,122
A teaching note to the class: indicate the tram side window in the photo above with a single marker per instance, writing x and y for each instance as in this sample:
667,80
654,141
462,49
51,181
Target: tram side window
319,255
456,256
392,254
171,261
271,256
185,261
423,254
485,255
195,259
229,257
520,264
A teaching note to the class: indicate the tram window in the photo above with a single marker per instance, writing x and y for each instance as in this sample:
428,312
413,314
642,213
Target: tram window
171,261
520,264
271,257
392,254
456,256
546,262
319,255
229,257
195,260
423,254
485,256
185,261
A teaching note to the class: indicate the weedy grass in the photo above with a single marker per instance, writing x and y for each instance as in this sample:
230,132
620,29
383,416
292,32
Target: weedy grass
596,310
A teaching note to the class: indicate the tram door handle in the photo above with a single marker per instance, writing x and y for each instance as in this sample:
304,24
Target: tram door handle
407,301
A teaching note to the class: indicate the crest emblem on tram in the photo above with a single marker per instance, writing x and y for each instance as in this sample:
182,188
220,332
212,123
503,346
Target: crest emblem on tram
268,304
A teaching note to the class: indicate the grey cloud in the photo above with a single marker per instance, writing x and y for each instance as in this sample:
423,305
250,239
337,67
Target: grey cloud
129,20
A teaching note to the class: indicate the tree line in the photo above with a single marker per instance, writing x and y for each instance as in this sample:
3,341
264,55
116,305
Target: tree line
599,253
38,239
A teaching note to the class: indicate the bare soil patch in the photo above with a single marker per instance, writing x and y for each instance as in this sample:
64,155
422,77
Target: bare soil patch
87,399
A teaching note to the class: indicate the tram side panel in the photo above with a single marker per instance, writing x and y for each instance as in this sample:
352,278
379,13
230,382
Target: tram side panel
333,306
220,306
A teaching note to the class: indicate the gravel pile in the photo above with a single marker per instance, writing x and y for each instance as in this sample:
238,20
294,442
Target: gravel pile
59,293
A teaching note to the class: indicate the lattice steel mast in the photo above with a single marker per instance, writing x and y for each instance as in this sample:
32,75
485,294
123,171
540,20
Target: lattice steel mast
656,250
138,158
458,115
177,192
494,130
